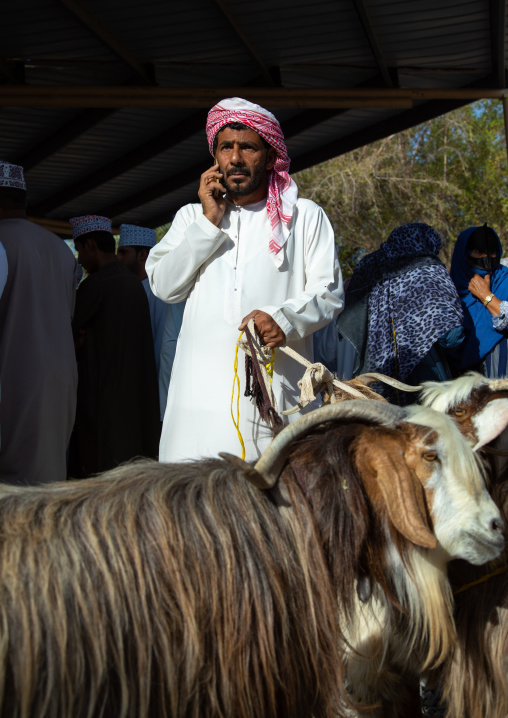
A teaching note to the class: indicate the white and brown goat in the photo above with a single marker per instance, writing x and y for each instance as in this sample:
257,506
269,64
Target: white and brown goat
475,683
479,406
183,589
398,603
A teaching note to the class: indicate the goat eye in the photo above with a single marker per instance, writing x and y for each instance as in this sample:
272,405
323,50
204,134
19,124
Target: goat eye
430,455
459,412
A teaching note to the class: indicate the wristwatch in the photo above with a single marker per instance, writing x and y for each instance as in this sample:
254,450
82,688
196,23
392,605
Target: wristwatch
488,299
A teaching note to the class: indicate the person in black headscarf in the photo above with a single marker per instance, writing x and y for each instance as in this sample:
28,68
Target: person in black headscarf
402,310
482,284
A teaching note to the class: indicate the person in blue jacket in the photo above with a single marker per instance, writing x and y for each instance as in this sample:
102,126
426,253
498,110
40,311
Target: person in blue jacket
482,284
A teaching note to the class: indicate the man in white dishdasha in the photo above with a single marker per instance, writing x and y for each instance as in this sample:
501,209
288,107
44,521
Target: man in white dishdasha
253,251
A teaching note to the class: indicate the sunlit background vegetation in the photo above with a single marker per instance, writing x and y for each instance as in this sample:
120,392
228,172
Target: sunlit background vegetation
449,172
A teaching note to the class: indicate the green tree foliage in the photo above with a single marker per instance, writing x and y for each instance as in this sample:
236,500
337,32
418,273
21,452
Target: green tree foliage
161,231
449,172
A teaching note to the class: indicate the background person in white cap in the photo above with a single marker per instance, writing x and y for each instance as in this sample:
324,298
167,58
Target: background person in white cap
133,247
117,415
259,252
37,360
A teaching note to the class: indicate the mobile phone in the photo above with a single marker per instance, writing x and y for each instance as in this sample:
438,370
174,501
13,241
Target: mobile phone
216,192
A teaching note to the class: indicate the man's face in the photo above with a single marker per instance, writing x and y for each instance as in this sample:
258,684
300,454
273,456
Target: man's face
129,257
245,162
86,254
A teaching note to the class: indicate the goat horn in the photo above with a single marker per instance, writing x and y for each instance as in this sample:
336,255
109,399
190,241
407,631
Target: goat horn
372,412
294,410
250,473
372,377
347,388
498,384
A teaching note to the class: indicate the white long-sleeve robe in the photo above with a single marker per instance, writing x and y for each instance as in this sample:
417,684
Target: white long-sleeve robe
225,273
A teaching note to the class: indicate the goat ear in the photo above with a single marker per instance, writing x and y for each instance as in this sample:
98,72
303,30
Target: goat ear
248,471
402,493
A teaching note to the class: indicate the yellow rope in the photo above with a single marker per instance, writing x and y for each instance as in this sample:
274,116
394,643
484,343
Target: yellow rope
481,580
394,337
269,367
236,381
395,355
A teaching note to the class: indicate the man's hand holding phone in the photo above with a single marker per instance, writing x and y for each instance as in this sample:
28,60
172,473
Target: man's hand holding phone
211,193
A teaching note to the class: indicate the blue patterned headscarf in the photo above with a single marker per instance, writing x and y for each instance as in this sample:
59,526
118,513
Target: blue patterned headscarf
481,337
412,301
404,243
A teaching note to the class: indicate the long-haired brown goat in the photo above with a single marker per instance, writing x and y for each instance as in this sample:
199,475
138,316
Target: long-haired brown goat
475,683
184,590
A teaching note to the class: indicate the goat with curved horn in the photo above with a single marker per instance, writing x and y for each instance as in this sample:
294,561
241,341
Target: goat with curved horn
475,680
271,462
372,377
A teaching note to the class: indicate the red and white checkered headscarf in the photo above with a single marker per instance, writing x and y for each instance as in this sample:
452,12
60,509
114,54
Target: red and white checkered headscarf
282,190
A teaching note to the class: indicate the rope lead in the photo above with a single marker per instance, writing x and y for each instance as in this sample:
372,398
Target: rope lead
236,381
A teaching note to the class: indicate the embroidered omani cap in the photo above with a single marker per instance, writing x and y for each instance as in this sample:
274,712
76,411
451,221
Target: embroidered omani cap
134,236
11,176
89,223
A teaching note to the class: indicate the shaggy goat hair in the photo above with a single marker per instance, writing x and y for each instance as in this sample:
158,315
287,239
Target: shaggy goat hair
176,590
164,590
476,681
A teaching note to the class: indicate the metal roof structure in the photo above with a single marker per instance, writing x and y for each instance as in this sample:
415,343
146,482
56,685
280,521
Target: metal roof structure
104,102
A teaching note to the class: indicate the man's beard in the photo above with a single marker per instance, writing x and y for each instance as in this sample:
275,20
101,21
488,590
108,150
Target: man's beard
256,180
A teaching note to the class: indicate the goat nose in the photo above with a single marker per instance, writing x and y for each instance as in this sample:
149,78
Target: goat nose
497,525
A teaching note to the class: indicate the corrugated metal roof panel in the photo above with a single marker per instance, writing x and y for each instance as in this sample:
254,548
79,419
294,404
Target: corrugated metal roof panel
185,154
336,128
34,29
20,130
426,33
431,43
112,138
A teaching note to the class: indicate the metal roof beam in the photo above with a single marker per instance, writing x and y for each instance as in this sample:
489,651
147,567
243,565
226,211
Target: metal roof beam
366,23
66,134
403,121
124,96
265,72
497,14
105,36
